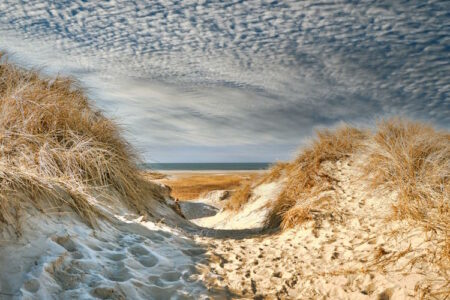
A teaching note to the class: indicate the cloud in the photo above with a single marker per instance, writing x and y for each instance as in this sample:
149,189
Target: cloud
240,75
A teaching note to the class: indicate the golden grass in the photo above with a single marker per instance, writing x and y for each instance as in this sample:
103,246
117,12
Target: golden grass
192,186
413,159
276,171
240,197
54,146
307,181
408,159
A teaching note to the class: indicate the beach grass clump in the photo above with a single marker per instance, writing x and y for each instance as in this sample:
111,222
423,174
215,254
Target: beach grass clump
55,146
240,197
276,171
306,191
413,160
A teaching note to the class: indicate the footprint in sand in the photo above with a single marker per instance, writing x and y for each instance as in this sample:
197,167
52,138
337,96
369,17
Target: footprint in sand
171,276
138,250
143,256
115,256
194,251
118,272
148,260
32,285
66,242
108,293
156,280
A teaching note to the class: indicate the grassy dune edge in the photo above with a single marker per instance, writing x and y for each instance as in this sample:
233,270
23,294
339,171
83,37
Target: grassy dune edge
399,171
57,150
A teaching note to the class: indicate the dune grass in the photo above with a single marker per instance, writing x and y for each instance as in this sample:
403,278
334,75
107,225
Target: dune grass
193,186
55,146
410,158
413,160
153,175
240,197
303,194
275,172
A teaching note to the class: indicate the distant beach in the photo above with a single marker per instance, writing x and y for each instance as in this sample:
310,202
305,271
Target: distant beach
207,166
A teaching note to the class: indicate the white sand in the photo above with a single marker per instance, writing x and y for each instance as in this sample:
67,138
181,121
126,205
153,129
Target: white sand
336,259
59,257
250,216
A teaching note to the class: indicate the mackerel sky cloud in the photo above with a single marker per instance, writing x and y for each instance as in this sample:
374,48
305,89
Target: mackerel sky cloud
240,80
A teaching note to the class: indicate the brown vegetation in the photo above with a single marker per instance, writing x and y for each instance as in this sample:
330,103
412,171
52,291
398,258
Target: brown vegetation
276,171
410,158
54,146
413,159
192,186
307,181
240,197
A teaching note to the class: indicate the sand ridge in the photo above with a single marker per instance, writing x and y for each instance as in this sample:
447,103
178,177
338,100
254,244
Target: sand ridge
348,255
219,254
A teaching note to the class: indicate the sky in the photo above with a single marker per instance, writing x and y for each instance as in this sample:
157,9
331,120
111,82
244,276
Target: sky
239,81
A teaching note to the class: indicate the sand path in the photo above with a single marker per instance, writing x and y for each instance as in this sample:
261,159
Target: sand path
348,255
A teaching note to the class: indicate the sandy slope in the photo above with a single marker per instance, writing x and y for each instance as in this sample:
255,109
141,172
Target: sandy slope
59,257
351,254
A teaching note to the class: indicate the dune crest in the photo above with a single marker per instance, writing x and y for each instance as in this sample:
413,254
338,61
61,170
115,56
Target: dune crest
363,215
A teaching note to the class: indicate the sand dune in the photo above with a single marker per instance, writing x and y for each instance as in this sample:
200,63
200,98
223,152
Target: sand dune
77,219
353,255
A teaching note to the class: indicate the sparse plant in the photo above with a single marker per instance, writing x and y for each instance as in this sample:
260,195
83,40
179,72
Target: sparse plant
276,172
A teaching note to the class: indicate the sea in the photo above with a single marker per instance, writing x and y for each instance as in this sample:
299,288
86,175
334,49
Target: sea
207,166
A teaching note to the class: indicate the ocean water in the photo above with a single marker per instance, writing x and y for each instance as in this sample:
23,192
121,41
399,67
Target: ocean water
206,166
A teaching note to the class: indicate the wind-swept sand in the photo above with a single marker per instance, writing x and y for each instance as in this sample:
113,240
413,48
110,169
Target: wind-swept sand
128,257
354,254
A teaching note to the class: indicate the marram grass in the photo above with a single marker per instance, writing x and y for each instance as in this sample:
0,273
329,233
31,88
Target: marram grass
56,148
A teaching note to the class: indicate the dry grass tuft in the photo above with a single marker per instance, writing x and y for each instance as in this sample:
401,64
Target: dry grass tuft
307,180
413,159
54,146
240,197
276,172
